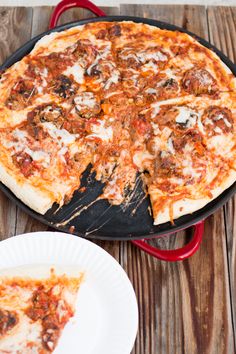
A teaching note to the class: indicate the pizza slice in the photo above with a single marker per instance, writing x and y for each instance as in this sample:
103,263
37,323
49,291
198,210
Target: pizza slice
34,312
190,156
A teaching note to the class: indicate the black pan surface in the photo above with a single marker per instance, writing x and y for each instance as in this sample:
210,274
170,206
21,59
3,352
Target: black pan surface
99,219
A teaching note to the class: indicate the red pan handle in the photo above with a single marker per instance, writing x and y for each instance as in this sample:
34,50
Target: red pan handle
68,4
175,255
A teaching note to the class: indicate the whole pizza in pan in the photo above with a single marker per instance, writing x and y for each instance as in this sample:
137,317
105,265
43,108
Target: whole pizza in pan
129,100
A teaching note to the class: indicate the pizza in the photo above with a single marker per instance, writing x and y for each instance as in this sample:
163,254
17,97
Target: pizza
127,100
34,312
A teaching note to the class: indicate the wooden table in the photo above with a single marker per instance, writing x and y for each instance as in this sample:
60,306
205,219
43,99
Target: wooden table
186,307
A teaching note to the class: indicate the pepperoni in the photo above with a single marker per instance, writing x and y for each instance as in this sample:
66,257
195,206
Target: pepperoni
199,81
8,320
217,120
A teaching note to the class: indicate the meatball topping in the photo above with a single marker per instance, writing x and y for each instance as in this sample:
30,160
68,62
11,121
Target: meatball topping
199,81
217,120
87,105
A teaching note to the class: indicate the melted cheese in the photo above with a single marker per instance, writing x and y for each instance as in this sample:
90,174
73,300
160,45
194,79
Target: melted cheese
85,99
16,342
20,145
170,146
101,132
39,156
188,169
113,79
76,71
62,135
221,144
140,157
186,116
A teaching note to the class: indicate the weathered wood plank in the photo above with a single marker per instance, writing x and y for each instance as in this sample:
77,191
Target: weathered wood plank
40,20
222,28
15,29
184,307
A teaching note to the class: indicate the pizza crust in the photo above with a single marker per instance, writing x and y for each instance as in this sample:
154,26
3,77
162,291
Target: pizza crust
29,195
188,206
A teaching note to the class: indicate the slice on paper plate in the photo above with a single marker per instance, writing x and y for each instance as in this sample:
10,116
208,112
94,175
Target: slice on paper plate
34,312
63,294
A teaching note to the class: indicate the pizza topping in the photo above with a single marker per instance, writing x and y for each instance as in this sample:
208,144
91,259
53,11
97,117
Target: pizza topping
24,162
87,105
50,336
181,142
186,117
110,33
165,165
44,113
83,52
218,120
147,58
76,71
171,85
101,131
73,126
166,116
63,86
95,67
140,128
199,81
53,313
8,320
114,31
62,136
21,94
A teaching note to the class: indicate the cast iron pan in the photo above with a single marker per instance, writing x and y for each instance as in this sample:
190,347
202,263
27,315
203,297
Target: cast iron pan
101,220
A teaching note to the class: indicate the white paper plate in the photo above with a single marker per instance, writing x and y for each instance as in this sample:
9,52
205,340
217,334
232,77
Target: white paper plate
106,317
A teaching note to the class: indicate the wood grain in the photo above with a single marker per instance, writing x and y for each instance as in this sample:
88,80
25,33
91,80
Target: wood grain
222,29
